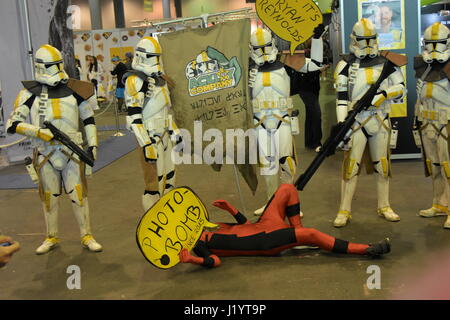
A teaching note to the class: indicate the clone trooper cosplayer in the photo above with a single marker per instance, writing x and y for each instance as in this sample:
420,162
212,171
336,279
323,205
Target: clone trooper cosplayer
63,102
274,119
148,100
354,76
433,114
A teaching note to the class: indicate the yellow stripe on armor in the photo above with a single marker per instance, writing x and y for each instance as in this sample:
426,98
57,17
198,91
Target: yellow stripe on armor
56,108
79,191
166,96
429,92
440,208
351,166
47,199
385,166
429,166
394,94
131,85
266,79
435,31
16,103
446,169
292,166
260,37
369,76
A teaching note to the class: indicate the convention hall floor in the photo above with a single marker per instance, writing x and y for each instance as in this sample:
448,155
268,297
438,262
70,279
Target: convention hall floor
121,272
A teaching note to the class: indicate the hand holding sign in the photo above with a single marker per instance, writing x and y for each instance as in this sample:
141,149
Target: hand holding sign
174,223
291,20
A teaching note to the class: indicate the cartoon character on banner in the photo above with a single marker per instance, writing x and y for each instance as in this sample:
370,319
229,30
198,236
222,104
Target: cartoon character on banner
274,118
57,106
432,128
178,223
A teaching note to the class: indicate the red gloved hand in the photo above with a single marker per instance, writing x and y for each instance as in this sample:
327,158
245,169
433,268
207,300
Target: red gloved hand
224,205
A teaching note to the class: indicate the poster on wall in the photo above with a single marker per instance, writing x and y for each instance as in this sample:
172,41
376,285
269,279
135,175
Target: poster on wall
388,16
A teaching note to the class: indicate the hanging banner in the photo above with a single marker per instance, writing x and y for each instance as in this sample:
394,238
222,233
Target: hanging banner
210,75
148,5
291,20
175,222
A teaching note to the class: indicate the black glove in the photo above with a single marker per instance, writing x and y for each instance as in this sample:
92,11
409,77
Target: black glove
318,31
92,151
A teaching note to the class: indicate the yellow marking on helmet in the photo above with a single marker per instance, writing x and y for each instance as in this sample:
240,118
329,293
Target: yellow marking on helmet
204,56
56,55
366,26
56,108
155,44
369,76
429,90
435,31
260,37
79,191
266,79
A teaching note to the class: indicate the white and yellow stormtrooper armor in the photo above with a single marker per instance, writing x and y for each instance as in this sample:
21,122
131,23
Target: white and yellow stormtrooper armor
433,115
354,75
148,100
63,102
272,108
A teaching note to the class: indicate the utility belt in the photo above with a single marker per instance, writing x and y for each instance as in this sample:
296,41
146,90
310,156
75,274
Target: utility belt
440,116
158,124
282,104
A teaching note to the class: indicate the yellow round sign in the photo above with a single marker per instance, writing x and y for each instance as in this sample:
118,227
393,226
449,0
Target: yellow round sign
175,222
291,20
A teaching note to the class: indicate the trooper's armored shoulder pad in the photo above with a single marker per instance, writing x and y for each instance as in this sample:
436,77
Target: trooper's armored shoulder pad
82,88
33,86
397,59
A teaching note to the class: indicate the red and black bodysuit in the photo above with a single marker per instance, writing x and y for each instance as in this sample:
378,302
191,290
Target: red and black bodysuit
270,235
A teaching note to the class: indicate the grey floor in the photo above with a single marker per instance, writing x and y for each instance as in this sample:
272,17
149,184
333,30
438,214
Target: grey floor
121,272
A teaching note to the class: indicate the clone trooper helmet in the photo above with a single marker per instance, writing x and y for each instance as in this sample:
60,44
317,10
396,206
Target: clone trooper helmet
364,40
262,47
205,64
147,57
436,42
49,66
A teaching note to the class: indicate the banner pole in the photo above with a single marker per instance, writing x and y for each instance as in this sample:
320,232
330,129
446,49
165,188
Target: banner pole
29,41
116,113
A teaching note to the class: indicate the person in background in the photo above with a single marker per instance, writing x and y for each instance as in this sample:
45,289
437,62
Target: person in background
77,69
95,71
307,86
129,60
7,248
119,70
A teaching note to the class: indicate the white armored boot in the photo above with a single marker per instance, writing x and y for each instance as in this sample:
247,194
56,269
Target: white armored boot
51,220
82,216
434,211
